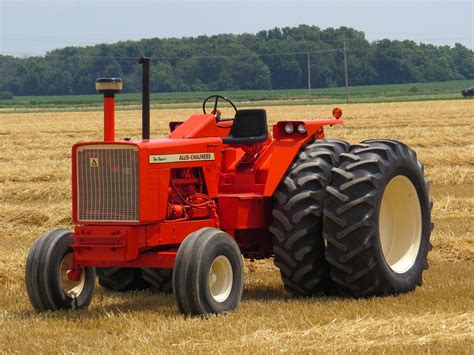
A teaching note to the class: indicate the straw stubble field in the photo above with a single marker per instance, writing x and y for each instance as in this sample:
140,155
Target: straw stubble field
35,196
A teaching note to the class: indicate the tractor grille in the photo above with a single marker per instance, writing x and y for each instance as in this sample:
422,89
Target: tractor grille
107,183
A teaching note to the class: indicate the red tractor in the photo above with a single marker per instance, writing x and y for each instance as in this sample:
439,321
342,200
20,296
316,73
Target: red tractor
178,213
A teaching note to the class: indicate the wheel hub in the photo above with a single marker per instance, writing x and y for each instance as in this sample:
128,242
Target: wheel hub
72,288
400,224
220,278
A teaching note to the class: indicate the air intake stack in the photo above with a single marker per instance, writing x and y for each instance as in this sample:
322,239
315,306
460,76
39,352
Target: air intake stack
109,87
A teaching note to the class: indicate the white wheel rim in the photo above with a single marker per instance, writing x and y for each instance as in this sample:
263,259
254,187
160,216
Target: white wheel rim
220,279
400,224
71,288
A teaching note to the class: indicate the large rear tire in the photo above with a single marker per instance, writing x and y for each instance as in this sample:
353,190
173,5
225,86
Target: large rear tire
120,279
208,273
47,283
297,222
377,220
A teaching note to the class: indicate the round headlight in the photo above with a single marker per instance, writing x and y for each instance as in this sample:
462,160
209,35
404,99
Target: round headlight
289,128
301,128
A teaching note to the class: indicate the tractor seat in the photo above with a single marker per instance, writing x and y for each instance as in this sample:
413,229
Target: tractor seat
250,126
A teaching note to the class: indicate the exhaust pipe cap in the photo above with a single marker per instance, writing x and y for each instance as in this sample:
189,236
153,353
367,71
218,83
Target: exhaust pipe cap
109,85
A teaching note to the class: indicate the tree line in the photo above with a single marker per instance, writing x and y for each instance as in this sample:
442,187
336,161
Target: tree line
273,59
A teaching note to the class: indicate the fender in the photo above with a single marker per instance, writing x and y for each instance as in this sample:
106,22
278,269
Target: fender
285,147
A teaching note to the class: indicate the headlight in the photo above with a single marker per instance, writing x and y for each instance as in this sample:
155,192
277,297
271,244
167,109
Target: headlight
289,128
301,128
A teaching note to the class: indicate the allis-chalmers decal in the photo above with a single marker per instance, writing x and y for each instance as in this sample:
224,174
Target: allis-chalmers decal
177,158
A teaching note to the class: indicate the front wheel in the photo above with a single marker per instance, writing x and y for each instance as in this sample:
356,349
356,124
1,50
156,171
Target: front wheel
208,273
48,285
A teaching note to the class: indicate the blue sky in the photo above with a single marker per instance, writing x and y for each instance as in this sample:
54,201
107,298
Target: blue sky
34,27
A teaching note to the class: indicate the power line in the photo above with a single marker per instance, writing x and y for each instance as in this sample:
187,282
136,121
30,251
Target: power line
163,57
174,57
93,41
213,56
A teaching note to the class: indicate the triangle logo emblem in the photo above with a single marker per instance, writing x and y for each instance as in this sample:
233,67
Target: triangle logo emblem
94,162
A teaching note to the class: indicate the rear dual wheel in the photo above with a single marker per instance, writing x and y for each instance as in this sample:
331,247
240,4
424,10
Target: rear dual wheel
298,243
377,220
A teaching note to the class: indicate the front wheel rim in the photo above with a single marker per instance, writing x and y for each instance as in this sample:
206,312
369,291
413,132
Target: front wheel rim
220,278
400,224
71,288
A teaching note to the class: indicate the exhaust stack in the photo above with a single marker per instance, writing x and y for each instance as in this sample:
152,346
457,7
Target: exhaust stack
145,62
109,87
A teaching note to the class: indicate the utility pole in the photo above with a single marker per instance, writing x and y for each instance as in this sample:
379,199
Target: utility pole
345,70
309,76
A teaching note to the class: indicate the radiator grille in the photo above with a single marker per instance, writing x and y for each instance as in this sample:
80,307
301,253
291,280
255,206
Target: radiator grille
107,183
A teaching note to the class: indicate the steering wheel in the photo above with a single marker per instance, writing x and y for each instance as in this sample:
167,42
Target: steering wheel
215,111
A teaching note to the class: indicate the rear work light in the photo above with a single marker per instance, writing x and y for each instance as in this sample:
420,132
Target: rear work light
289,128
301,128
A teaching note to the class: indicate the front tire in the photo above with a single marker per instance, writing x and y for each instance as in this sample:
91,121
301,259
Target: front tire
47,283
208,273
377,220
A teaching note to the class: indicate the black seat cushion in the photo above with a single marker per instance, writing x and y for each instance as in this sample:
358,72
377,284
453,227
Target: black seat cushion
250,126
